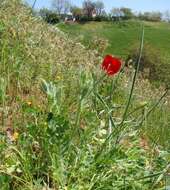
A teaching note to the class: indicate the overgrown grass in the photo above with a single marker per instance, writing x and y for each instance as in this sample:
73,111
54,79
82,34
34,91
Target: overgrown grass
121,36
54,134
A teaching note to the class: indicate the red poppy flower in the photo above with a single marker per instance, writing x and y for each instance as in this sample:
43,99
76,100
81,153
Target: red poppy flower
111,65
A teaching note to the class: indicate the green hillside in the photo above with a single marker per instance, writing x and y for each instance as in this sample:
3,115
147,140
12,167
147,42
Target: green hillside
65,124
122,36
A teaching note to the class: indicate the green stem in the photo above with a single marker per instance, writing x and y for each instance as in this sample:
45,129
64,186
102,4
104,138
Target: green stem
78,114
96,83
154,106
134,78
161,176
34,4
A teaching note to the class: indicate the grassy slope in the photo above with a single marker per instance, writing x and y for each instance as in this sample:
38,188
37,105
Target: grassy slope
122,37
57,139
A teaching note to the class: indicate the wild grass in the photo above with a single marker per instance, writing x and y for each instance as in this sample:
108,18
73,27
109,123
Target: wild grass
60,128
122,40
121,36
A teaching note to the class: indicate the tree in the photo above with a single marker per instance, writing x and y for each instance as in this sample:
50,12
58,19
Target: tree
155,16
127,13
49,16
99,7
116,14
61,6
76,11
66,7
167,15
57,6
88,8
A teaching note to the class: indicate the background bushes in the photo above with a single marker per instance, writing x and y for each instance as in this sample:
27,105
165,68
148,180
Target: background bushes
85,18
49,16
101,18
153,65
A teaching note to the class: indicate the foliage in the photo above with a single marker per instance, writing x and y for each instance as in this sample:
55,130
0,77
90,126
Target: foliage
84,19
61,6
88,8
121,41
121,14
101,18
116,13
151,16
122,36
60,123
152,64
77,12
127,13
167,16
99,7
49,16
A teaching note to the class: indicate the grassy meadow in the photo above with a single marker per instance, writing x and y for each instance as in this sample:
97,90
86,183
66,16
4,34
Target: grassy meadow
65,124
121,36
122,39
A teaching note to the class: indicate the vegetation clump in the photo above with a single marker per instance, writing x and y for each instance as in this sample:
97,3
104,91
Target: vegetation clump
153,66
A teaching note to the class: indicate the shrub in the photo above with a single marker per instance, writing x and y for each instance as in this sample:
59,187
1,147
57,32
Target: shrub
152,65
151,16
85,18
160,72
127,13
49,16
101,18
149,56
77,12
98,19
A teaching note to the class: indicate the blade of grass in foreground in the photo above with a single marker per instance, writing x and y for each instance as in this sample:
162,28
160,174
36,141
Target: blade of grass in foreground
133,83
153,107
34,4
134,77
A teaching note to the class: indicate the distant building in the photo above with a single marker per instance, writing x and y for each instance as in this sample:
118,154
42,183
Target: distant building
94,14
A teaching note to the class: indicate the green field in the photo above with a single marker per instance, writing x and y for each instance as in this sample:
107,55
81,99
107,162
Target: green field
122,36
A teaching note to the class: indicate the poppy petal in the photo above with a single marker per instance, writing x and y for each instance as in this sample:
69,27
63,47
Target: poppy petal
111,65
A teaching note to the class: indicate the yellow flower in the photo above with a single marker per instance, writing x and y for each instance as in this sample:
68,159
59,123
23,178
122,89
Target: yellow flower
29,103
15,136
143,103
58,77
